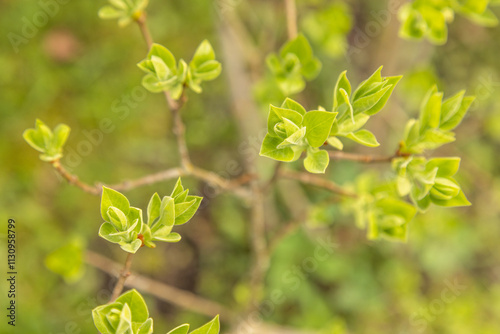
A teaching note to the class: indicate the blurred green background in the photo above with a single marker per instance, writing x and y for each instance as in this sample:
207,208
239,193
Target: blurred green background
78,70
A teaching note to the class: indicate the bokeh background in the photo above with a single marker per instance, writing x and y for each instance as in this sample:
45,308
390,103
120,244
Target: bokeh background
77,69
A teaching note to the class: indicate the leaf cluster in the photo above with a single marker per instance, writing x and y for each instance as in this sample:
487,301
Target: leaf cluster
124,224
129,314
165,74
125,11
294,64
429,18
49,143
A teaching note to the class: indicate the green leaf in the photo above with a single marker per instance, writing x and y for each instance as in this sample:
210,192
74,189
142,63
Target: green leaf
67,260
363,137
293,105
342,83
431,110
211,327
106,232
318,125
112,197
131,247
452,117
185,211
34,139
348,126
117,218
203,54
171,237
161,70
178,189
366,103
300,47
278,114
369,85
61,133
345,98
137,305
164,54
335,142
182,329
109,12
316,161
459,200
153,210
446,166
167,212
270,149
146,327
390,82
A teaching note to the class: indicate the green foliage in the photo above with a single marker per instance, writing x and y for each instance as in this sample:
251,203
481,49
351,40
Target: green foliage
67,260
355,109
429,181
49,143
127,314
124,224
125,11
291,131
378,209
429,18
329,27
211,327
436,121
294,64
163,74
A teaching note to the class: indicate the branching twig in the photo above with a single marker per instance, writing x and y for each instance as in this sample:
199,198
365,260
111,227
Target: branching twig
122,278
291,18
162,291
316,181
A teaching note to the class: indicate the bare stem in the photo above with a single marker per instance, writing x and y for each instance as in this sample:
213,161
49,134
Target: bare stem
364,158
141,21
73,179
122,278
316,181
162,291
291,18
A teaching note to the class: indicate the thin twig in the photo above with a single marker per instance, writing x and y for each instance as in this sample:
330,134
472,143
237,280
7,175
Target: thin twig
162,291
365,158
122,278
73,179
291,18
149,179
316,181
141,21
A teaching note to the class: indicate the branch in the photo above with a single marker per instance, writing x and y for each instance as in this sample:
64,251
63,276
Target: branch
162,291
122,278
291,18
73,179
316,181
364,158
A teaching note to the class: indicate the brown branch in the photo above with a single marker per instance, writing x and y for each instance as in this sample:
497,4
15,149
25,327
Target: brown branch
122,278
146,34
149,179
291,18
73,179
364,158
317,181
162,291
